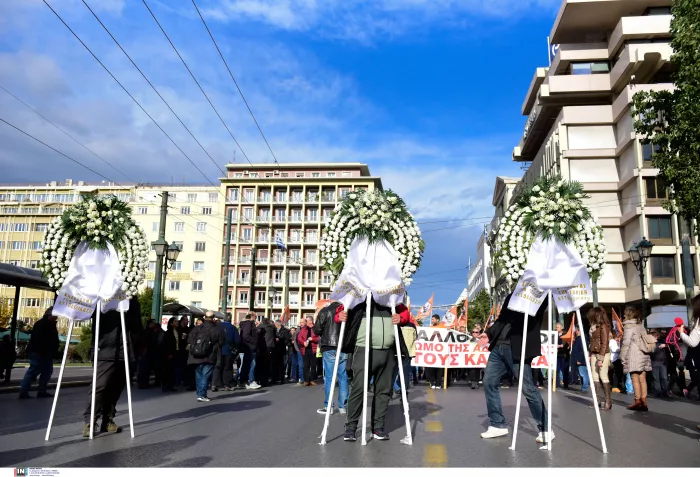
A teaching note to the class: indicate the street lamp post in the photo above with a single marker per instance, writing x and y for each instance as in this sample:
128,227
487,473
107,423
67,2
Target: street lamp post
172,252
640,253
272,293
160,246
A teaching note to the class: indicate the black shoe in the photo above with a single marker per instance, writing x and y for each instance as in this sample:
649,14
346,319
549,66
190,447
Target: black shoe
44,395
350,435
380,435
24,396
474,386
215,389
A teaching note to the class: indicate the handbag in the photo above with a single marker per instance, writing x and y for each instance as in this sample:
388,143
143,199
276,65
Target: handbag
649,343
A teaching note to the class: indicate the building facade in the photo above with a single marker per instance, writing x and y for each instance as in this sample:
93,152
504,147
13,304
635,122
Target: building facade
579,125
285,204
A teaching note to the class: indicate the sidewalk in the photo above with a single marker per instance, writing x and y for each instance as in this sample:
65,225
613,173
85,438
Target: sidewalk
72,376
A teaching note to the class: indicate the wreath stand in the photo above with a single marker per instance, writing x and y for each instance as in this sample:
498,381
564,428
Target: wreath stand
594,397
94,372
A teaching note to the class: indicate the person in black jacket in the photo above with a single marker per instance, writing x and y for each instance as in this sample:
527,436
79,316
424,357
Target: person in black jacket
329,332
111,377
266,350
249,346
505,340
279,366
578,359
8,356
43,347
169,349
205,343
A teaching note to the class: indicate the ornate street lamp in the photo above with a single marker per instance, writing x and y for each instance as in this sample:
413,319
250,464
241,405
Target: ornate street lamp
272,293
171,252
640,253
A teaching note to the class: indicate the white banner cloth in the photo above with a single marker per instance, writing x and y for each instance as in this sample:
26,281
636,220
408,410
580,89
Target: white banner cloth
93,275
552,265
369,267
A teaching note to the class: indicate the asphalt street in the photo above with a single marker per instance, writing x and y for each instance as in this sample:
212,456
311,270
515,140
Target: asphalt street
279,427
71,374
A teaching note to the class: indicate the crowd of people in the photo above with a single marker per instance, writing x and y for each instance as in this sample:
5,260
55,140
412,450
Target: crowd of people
212,355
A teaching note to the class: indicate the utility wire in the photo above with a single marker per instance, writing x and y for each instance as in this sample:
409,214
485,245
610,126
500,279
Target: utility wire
234,81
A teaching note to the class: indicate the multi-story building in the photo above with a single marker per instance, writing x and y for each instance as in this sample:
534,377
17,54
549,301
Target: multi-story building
195,221
480,271
289,202
579,125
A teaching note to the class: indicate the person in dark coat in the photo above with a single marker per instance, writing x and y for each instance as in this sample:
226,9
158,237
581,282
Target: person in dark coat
186,371
266,350
169,349
223,372
205,344
505,341
111,377
248,351
42,348
578,359
282,339
8,356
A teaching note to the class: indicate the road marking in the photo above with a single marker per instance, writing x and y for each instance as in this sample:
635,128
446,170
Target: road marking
433,426
435,455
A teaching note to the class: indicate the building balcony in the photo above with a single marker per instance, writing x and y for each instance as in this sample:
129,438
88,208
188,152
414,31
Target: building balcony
311,241
308,305
243,282
262,260
279,220
328,199
296,219
311,220
642,61
295,241
243,260
312,199
312,283
264,218
639,28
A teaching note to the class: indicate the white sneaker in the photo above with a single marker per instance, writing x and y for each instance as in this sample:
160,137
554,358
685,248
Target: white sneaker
342,410
542,437
203,399
254,385
493,432
323,411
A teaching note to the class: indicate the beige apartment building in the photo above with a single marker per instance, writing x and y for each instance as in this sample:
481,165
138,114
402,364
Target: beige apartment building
195,222
579,125
289,201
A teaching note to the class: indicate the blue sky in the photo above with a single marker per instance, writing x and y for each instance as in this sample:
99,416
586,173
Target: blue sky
427,92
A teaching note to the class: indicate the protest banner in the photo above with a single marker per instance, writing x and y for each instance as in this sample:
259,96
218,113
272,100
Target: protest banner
443,348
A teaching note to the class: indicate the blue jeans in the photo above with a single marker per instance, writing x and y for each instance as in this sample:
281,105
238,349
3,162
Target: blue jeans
562,371
300,365
406,365
628,384
499,364
202,376
583,372
41,366
328,364
247,363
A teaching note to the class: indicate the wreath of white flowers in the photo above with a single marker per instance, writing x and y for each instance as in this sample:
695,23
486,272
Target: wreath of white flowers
377,215
553,207
96,221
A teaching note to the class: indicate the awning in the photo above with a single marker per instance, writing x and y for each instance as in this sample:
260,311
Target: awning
664,316
178,309
22,277
62,339
21,335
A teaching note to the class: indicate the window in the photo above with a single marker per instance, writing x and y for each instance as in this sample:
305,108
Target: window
150,284
179,226
243,298
18,227
648,151
294,298
192,197
200,246
268,175
247,234
282,196
185,210
657,11
330,174
17,245
660,230
310,298
142,210
197,286
315,174
41,227
34,264
33,302
16,263
300,174
248,213
344,193
201,227
589,68
663,269
656,188
347,174
198,304
233,194
177,267
154,226
248,195
35,245
174,286
206,210
285,174
265,196
198,266
213,197
311,256
294,277
179,245
238,175
151,266
253,175
3,227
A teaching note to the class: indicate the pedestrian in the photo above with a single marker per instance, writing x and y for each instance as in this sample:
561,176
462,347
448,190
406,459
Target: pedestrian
435,376
205,344
408,352
579,359
382,361
266,349
247,352
473,374
329,332
297,358
505,341
223,373
563,355
600,332
282,338
692,340
308,345
111,376
635,359
616,371
170,347
659,367
42,349
186,372
8,356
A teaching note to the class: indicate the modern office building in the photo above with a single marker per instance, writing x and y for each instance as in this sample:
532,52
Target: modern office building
195,221
579,125
278,214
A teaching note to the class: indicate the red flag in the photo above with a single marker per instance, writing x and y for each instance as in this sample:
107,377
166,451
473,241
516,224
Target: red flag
286,314
426,310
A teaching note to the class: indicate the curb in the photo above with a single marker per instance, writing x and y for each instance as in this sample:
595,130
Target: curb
67,384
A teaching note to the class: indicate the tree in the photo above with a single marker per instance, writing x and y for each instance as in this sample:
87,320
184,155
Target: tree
670,119
5,313
146,301
479,309
83,348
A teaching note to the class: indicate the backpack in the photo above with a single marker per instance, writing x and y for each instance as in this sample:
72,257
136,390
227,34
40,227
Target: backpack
202,346
409,337
648,342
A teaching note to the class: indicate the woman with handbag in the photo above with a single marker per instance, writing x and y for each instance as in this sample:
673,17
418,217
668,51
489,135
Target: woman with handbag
600,355
637,347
